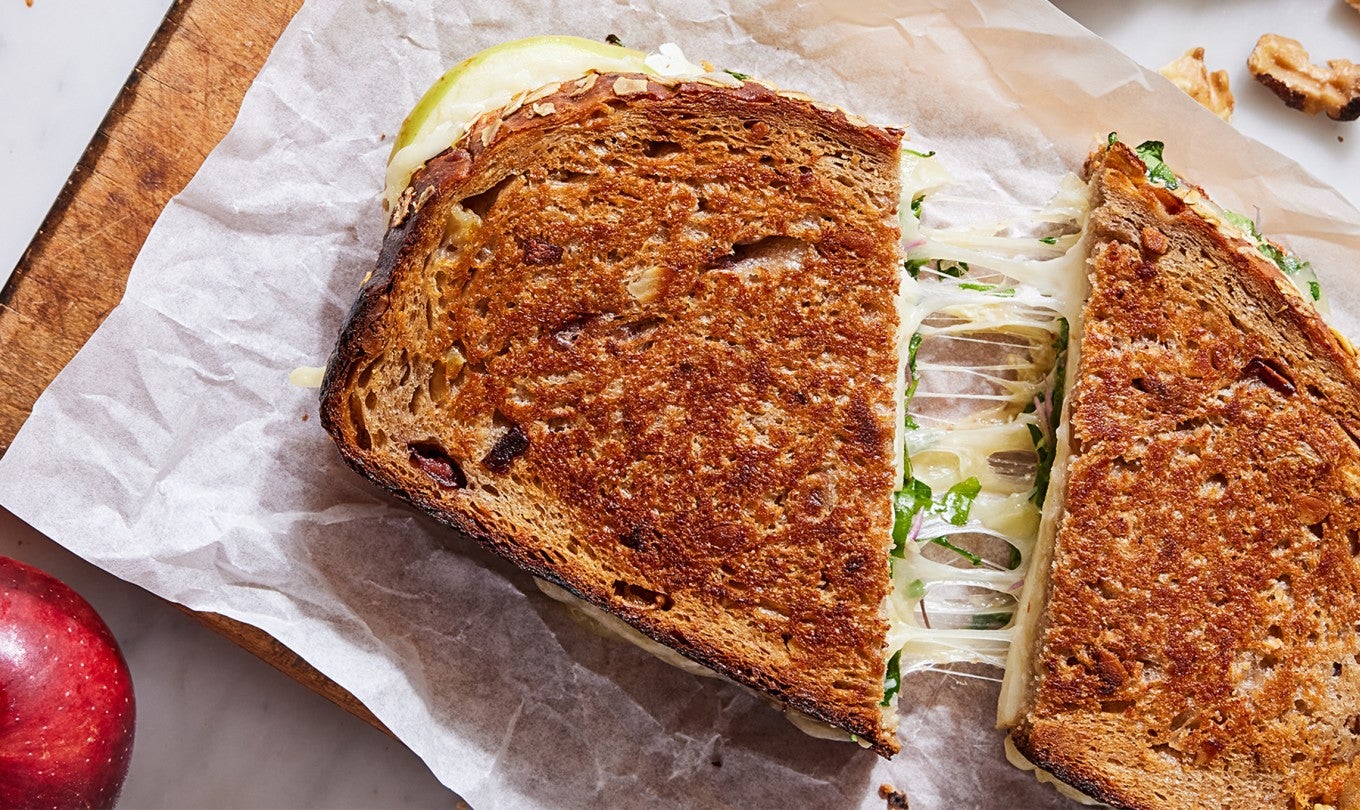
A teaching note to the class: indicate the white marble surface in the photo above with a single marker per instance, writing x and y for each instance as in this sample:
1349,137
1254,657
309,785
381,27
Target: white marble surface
1154,33
218,728
61,64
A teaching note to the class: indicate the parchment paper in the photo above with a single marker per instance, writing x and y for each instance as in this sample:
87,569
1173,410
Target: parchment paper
173,452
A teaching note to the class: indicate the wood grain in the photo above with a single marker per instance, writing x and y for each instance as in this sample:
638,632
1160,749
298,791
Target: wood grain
271,651
179,102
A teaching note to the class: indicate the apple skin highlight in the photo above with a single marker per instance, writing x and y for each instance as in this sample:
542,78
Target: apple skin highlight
67,711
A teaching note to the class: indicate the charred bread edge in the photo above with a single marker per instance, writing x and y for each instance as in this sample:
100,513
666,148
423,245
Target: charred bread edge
1265,280
1259,270
400,251
1093,785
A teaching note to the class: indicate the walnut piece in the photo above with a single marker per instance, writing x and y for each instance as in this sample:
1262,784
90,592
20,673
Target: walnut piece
1211,90
1281,64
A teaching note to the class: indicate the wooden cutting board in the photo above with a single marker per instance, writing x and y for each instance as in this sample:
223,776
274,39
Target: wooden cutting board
178,103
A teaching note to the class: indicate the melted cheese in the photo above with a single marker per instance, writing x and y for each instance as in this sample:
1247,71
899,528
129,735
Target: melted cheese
1018,759
307,376
1019,677
611,626
1016,290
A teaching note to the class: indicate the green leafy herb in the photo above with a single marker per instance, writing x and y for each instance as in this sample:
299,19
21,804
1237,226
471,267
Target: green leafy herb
1276,255
962,552
954,506
958,502
916,589
739,76
1157,170
913,380
989,621
901,528
955,269
1288,263
929,154
916,205
892,681
907,502
1049,240
1008,292
613,39
1113,139
1045,438
913,266
912,498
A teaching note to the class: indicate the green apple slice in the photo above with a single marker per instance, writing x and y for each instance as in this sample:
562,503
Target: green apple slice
488,80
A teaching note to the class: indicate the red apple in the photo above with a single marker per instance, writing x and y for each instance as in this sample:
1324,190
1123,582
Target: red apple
66,706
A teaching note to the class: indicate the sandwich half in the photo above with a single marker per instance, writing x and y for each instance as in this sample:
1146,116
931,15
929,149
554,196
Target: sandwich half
635,329
1196,601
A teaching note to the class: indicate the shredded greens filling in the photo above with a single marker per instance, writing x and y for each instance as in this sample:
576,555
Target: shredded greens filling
915,498
1300,272
913,379
1289,264
892,682
1157,170
1047,405
987,316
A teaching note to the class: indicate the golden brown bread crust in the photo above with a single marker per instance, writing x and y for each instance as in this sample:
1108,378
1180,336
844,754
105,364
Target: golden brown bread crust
1199,645
640,338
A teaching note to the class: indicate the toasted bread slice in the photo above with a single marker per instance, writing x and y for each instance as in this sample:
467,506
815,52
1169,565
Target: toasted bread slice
1199,644
640,338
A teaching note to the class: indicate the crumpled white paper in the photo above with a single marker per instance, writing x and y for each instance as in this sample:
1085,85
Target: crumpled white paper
173,453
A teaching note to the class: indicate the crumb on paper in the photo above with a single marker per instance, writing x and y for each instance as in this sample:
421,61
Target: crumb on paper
1355,4
1192,76
1282,65
896,799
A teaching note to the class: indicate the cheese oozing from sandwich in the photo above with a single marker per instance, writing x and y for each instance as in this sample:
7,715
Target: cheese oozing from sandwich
987,309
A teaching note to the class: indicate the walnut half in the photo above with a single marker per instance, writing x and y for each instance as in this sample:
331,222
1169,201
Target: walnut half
1211,90
1281,64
